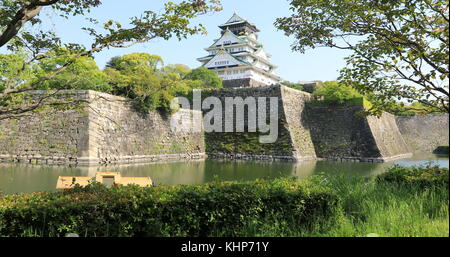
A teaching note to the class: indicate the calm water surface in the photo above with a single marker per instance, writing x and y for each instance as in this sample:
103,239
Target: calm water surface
22,178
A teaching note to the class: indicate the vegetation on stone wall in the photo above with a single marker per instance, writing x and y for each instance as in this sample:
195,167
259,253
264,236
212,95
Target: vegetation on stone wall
411,109
333,92
441,150
247,143
293,85
338,93
143,78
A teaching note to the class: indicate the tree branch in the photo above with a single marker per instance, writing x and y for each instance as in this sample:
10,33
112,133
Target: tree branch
22,16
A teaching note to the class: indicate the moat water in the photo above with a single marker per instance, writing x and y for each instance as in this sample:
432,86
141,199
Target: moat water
25,178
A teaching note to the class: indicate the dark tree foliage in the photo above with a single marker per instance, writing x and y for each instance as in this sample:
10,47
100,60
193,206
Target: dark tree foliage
32,46
400,48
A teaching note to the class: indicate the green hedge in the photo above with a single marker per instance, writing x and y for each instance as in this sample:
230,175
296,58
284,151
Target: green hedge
216,209
424,177
441,150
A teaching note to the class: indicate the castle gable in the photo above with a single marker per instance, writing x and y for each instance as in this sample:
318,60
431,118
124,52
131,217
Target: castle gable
222,59
235,19
228,38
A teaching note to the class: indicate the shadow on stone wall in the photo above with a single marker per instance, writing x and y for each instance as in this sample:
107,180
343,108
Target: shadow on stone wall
339,132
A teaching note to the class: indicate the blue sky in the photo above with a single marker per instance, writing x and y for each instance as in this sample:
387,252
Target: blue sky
315,64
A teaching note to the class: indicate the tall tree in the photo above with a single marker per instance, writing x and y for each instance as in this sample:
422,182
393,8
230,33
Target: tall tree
35,45
180,69
400,48
83,74
151,86
209,78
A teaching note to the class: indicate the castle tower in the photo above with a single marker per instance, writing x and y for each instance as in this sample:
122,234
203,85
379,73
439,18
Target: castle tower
238,58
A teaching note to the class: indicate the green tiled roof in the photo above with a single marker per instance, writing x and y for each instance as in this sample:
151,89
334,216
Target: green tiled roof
236,58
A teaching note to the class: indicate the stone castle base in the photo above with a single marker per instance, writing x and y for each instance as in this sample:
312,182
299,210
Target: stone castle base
239,83
108,130
424,132
105,130
307,131
369,159
135,159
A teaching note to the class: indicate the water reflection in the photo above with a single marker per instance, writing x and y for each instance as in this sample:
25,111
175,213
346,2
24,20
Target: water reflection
17,178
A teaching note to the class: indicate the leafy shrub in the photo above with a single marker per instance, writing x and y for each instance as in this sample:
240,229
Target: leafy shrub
137,76
82,74
424,177
180,69
152,86
333,92
216,209
293,85
208,78
441,149
10,65
415,108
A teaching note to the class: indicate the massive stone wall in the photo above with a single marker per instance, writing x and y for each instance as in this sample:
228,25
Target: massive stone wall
340,132
337,133
307,131
388,138
293,142
107,130
60,136
424,133
294,104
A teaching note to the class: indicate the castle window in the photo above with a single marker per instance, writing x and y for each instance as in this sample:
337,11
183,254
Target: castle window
221,63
